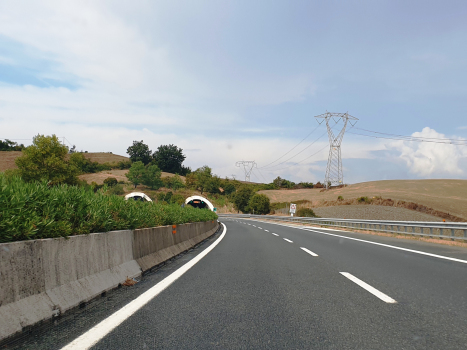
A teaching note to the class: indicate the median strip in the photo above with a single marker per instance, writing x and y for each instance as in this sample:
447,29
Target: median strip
369,288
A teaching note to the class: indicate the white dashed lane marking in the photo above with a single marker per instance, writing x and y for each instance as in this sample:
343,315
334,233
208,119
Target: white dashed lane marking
287,240
275,234
369,288
308,251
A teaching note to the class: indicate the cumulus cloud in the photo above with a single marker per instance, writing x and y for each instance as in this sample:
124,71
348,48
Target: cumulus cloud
427,159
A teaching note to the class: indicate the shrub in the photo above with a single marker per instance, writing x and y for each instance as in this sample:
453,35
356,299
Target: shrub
363,200
45,160
110,181
259,204
36,210
340,198
116,190
242,198
306,212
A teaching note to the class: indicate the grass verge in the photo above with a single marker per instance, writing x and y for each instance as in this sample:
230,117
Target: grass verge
35,211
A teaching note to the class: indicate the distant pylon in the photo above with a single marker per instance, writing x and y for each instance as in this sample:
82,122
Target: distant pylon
334,172
248,166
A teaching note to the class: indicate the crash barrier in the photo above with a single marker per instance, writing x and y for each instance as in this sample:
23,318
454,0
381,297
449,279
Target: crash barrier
451,230
41,279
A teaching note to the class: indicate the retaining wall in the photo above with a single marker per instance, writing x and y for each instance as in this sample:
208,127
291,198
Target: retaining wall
43,278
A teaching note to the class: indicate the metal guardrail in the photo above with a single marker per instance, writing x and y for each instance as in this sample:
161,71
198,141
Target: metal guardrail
455,230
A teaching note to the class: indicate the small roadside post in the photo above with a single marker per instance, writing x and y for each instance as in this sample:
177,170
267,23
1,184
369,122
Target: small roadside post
293,207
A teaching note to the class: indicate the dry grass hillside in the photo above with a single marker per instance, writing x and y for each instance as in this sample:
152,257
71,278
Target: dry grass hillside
447,196
7,159
118,174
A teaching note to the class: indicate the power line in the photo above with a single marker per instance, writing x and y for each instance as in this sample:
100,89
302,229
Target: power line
302,159
311,144
459,143
298,144
414,137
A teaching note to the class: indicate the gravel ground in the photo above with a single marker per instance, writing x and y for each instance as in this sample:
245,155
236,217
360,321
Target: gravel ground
373,212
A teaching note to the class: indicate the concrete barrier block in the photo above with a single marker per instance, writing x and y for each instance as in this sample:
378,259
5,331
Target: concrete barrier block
23,313
21,270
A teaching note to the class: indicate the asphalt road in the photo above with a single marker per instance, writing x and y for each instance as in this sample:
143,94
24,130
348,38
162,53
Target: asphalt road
259,289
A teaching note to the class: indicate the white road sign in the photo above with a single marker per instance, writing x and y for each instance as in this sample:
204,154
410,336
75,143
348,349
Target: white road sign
293,207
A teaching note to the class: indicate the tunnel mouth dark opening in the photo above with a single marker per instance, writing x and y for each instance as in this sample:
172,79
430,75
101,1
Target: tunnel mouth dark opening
197,203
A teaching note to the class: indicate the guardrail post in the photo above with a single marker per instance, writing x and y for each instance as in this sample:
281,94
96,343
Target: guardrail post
452,234
431,232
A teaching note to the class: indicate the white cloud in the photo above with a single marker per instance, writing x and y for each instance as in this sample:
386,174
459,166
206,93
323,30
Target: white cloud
429,159
462,127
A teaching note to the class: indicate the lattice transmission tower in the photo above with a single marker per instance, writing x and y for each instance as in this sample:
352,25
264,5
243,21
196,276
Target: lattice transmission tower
248,166
334,172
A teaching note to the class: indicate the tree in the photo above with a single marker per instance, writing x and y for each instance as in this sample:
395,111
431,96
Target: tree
203,178
169,158
174,182
139,152
152,177
8,145
259,204
45,160
229,188
136,172
191,181
242,198
110,181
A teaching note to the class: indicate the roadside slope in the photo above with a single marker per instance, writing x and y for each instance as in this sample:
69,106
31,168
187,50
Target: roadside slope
448,196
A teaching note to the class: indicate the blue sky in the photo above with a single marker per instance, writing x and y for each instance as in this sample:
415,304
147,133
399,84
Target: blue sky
237,80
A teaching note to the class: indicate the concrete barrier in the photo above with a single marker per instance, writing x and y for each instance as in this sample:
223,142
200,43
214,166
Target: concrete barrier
44,278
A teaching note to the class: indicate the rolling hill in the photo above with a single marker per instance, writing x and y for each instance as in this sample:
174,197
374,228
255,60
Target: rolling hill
447,196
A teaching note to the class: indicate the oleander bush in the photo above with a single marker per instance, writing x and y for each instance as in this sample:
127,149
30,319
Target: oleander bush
37,210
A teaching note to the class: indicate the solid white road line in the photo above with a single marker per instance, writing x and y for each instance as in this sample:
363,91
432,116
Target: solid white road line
288,240
92,336
380,244
308,251
275,234
369,288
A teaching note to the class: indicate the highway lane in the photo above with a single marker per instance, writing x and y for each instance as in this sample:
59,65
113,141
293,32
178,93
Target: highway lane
259,289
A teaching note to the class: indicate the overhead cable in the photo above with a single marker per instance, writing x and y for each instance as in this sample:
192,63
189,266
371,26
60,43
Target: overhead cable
298,144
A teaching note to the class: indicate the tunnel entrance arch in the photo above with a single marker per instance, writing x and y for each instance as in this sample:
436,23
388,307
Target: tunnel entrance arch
138,196
199,202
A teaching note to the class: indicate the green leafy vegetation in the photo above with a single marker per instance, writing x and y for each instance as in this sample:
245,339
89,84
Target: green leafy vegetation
363,200
45,160
36,210
139,152
259,204
169,158
136,173
306,212
8,145
152,177
241,199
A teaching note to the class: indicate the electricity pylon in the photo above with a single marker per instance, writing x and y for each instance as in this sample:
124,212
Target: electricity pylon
334,172
248,166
